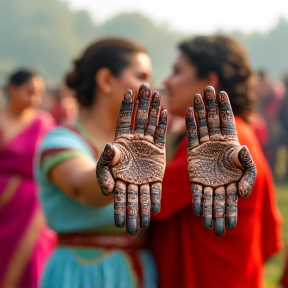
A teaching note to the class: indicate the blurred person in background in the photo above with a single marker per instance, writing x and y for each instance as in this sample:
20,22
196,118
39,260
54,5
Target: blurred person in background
64,105
271,95
92,252
257,120
284,123
25,241
186,254
284,142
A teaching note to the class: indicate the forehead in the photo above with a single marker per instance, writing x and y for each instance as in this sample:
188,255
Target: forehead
37,82
141,61
182,60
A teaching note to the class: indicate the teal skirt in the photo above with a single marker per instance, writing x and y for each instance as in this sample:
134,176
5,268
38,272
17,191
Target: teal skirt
97,268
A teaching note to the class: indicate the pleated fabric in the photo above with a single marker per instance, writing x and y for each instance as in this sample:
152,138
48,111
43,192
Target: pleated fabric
96,268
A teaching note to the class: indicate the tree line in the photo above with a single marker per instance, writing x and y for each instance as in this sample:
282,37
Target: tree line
47,35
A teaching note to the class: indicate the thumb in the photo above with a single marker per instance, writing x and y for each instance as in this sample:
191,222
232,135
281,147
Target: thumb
246,183
103,174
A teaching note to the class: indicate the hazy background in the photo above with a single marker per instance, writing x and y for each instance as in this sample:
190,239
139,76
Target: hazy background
47,34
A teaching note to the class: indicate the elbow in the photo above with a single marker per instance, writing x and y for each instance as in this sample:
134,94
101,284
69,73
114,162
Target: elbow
81,196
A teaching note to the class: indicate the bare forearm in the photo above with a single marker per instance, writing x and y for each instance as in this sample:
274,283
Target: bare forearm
76,178
87,190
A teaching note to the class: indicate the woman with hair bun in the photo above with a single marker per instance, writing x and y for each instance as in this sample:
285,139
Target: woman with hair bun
25,241
91,251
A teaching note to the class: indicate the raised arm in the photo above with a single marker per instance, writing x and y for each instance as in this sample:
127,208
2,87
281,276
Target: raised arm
79,184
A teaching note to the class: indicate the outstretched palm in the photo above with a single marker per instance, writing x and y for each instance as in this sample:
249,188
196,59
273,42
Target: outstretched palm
132,167
219,167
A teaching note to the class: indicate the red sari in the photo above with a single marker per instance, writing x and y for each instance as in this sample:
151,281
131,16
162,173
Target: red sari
188,256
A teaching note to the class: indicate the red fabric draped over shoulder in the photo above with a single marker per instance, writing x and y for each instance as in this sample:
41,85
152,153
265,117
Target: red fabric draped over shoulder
188,256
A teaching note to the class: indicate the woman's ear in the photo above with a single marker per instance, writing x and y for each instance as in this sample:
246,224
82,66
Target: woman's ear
103,79
213,80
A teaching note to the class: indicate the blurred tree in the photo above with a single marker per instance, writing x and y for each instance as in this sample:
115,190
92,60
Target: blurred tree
47,35
160,40
85,29
268,51
41,34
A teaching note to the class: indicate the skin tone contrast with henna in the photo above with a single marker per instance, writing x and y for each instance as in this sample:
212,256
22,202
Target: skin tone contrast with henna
220,169
132,167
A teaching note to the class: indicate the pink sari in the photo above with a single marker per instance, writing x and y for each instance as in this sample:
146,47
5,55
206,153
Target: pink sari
25,242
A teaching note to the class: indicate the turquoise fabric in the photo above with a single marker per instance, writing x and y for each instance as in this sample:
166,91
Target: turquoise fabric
66,269
79,267
62,213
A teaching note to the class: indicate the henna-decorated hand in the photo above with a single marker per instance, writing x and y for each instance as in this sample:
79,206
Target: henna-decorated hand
219,168
132,167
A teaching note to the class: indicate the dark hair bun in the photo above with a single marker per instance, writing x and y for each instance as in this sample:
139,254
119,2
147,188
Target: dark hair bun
72,78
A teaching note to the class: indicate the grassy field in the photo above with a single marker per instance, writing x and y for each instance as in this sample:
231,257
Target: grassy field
274,266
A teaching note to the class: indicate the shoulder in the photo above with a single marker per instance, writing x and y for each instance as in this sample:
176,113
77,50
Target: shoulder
247,137
62,137
245,133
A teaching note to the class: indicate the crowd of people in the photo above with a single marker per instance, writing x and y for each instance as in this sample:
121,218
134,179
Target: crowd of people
58,230
270,122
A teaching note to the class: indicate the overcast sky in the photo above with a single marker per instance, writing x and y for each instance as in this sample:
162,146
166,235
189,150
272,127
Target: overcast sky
194,16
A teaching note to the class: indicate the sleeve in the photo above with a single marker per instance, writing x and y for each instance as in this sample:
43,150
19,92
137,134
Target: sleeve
176,193
60,145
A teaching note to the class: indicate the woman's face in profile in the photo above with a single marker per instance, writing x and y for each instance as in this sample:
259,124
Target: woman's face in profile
182,85
138,72
29,94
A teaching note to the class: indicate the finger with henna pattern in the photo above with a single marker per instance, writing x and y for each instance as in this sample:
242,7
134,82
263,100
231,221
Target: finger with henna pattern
132,220
125,115
207,207
145,205
142,109
156,193
191,129
161,130
231,206
200,113
219,211
246,183
153,117
104,177
227,121
196,198
213,120
120,204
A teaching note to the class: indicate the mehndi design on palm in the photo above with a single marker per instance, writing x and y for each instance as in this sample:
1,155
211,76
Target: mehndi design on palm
219,168
132,167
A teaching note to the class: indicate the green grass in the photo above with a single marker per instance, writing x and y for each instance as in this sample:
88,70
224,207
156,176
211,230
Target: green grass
275,265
